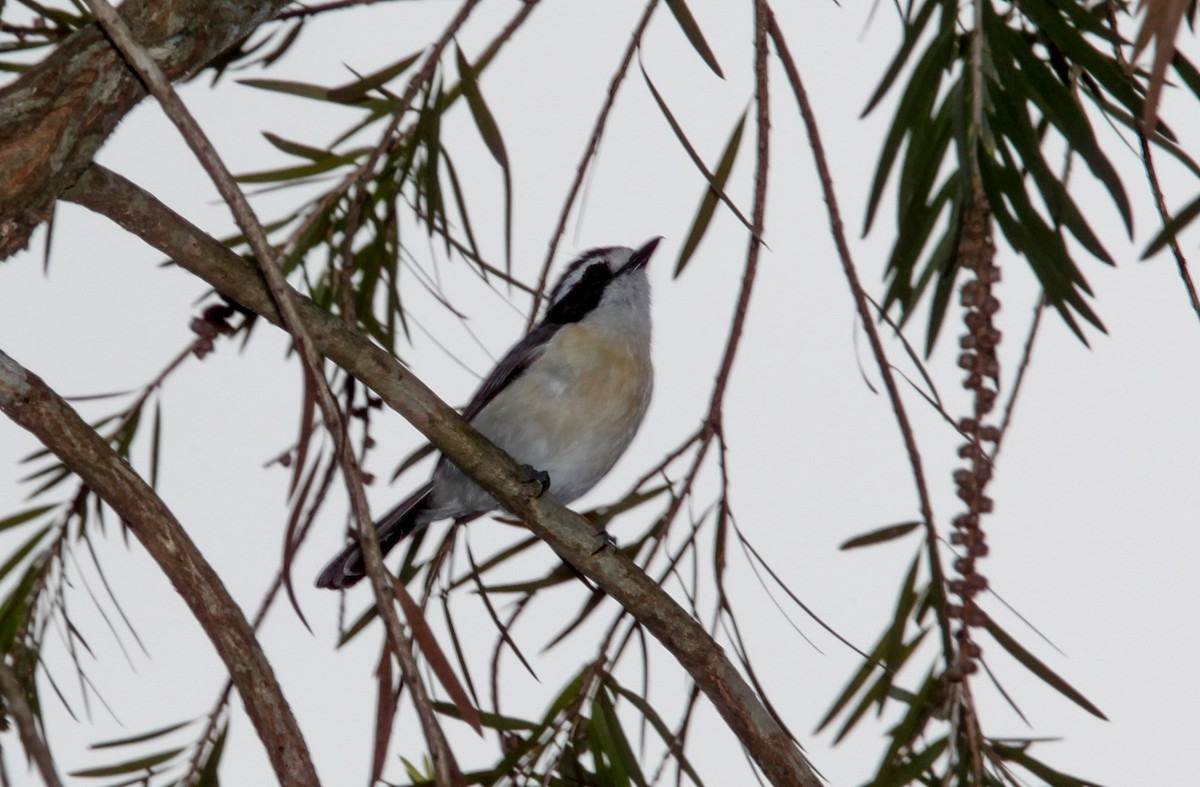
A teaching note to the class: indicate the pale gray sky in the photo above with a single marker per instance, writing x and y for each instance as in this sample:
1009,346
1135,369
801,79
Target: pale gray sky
1094,535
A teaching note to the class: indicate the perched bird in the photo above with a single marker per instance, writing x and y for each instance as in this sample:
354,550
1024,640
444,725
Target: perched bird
566,401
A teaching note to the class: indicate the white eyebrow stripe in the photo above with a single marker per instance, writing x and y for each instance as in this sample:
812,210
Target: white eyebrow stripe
575,271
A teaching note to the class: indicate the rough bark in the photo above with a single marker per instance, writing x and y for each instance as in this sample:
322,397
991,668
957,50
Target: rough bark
56,115
30,403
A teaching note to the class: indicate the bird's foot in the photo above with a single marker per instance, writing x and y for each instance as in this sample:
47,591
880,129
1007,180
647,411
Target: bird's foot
606,541
539,477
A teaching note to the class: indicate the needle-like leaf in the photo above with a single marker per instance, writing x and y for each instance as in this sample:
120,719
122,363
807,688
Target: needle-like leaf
695,36
708,204
1039,668
888,533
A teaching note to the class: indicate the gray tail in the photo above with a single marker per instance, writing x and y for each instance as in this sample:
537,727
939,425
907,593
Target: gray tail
347,568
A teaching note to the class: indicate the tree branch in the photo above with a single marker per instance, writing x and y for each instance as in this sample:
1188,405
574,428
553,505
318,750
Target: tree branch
17,708
572,538
837,229
55,116
31,404
139,59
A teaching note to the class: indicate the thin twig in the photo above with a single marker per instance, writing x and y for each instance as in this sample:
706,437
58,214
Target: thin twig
1160,201
1026,356
17,708
711,426
495,472
938,577
593,144
446,769
1165,213
208,734
21,32
758,212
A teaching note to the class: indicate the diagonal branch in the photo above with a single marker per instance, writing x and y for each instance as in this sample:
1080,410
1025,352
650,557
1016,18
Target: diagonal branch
572,538
31,404
864,314
16,707
445,766
56,115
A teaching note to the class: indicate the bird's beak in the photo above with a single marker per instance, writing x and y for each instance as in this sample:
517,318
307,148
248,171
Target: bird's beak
641,256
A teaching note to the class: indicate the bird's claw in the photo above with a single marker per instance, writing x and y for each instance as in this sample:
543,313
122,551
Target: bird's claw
539,477
606,541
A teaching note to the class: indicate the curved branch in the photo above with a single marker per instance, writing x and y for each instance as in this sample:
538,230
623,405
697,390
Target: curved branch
17,708
30,403
56,115
864,313
139,59
572,538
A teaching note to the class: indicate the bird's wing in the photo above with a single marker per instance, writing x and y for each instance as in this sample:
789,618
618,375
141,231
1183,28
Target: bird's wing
511,366
347,568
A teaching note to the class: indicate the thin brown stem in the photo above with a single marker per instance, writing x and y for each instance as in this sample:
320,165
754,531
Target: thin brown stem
1164,213
938,577
711,426
46,32
1160,201
17,708
445,767
1022,366
635,40
758,213
736,701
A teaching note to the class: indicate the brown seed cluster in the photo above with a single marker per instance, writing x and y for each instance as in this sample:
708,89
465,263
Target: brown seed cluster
213,322
978,360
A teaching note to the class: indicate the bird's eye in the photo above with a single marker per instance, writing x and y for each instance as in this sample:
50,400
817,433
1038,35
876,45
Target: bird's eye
596,273
582,295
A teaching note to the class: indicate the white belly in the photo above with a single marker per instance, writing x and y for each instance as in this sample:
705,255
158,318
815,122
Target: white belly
572,419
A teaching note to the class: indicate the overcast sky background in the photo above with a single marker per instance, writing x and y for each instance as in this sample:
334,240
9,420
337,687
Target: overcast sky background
1094,537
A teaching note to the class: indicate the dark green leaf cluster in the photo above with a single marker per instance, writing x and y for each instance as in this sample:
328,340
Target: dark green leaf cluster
1042,62
584,737
922,739
194,765
347,244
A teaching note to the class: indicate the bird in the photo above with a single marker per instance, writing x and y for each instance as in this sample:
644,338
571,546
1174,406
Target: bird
565,402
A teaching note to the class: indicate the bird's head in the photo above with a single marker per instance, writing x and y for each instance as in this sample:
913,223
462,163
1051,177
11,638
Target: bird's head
609,281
